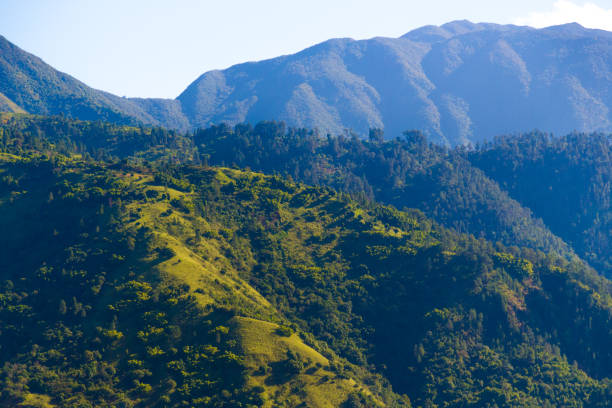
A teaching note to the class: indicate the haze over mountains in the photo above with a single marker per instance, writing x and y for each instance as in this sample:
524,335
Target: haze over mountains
460,82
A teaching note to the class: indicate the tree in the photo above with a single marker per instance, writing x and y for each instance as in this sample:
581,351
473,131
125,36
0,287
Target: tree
377,135
62,307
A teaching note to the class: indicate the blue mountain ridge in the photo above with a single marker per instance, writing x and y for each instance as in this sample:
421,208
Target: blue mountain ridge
459,83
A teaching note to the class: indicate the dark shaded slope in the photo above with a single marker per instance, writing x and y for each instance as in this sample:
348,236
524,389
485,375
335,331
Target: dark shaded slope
565,181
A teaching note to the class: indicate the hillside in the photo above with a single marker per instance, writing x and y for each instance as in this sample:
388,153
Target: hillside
28,84
407,173
128,296
403,172
566,181
494,192
458,83
142,283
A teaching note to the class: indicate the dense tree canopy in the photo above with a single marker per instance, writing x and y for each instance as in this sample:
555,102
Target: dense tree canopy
137,273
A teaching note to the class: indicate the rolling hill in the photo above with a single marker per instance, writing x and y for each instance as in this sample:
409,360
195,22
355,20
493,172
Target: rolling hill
138,285
138,282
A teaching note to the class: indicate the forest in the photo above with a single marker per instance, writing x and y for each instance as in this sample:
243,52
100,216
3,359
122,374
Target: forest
261,265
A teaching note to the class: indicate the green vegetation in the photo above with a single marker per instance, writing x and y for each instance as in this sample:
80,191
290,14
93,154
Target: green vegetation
111,297
565,181
406,173
133,275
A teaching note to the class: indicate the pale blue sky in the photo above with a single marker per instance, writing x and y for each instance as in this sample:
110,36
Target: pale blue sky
155,48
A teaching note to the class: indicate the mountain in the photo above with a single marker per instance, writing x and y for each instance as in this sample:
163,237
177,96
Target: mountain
141,283
460,82
408,173
273,266
129,311
28,84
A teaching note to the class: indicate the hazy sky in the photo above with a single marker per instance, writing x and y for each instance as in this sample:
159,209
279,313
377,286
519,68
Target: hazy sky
155,48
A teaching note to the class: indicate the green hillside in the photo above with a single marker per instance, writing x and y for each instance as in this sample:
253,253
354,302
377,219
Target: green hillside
565,181
406,173
116,291
243,266
142,283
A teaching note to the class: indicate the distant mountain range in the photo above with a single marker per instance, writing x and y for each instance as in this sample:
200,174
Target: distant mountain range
460,82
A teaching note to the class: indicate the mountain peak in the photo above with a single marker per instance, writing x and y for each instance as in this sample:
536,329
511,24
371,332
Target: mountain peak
461,27
567,28
575,30
432,33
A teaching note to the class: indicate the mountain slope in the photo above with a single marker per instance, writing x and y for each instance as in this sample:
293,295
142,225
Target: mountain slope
566,181
405,173
166,287
28,84
6,105
120,292
459,82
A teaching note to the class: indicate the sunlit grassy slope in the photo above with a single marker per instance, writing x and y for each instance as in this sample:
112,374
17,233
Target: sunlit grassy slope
151,239
7,105
214,280
126,284
317,386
